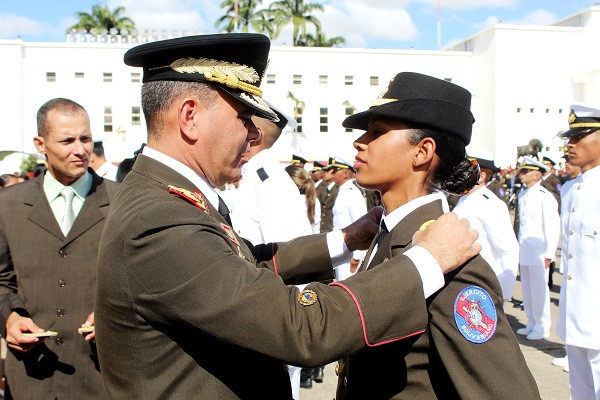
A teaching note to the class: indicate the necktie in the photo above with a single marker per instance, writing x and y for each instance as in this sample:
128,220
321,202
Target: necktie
69,216
382,234
224,211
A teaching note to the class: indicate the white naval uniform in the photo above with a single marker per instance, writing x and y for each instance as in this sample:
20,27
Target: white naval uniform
107,171
349,206
268,207
539,232
578,323
499,247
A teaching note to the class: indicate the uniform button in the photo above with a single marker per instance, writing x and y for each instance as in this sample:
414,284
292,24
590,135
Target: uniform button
60,312
573,209
62,253
569,277
570,231
578,187
570,255
61,283
59,341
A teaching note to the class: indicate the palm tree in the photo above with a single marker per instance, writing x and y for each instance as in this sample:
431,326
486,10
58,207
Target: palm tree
244,18
298,13
319,40
102,18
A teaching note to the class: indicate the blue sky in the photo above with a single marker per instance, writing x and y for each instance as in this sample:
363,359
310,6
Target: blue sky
396,24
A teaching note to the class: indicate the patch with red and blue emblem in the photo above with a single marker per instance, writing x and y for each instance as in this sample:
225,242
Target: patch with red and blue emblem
475,314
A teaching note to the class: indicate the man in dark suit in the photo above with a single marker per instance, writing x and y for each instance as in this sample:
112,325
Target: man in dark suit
185,308
49,232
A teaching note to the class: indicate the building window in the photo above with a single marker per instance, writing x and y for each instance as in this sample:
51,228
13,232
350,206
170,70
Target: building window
297,79
135,77
323,119
107,76
349,112
79,75
374,80
108,127
348,80
298,118
560,110
271,78
135,116
323,79
50,76
518,109
547,111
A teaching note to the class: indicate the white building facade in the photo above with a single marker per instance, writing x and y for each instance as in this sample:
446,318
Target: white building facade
523,79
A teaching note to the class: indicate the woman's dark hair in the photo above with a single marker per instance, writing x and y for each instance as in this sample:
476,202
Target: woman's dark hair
454,174
306,187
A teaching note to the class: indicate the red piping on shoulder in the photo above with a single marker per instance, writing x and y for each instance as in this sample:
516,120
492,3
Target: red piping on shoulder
362,319
274,259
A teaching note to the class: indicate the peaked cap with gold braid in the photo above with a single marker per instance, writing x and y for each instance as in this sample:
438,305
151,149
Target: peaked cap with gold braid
582,119
233,62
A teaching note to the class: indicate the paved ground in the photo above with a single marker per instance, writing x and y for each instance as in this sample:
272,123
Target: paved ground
552,381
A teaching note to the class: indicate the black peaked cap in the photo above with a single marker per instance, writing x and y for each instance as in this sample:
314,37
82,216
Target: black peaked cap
423,100
234,51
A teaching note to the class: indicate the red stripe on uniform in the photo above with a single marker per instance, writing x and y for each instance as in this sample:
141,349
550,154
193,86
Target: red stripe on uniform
274,259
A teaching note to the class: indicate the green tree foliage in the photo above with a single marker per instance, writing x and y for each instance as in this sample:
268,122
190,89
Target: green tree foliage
298,13
102,18
247,16
319,40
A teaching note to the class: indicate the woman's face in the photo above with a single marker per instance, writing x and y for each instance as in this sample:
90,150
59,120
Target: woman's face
384,156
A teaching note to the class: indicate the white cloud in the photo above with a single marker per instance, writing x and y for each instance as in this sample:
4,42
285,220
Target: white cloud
470,4
12,25
537,17
489,21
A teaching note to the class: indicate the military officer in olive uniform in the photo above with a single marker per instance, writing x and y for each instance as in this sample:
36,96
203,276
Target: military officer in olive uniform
185,308
328,194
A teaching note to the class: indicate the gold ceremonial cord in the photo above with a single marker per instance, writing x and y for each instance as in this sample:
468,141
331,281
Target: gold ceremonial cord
585,125
233,82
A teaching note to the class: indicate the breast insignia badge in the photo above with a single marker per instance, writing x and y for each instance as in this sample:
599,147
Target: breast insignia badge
196,198
475,314
307,297
426,224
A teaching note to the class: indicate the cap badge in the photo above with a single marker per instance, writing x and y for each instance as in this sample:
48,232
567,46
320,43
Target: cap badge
307,297
235,76
381,99
572,117
475,314
196,198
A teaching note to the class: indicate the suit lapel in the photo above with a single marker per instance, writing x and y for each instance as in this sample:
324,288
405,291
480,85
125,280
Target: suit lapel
40,212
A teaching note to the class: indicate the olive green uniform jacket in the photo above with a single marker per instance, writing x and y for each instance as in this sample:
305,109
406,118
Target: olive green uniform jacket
186,309
52,278
439,362
327,199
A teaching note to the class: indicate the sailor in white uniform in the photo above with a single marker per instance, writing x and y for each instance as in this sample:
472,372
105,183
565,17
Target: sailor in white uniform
349,206
578,323
489,216
539,232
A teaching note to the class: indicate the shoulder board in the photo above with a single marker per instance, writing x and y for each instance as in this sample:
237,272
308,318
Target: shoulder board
486,196
262,174
196,198
542,190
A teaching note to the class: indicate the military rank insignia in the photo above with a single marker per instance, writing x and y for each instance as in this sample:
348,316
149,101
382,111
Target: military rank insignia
194,197
426,224
233,239
307,297
475,314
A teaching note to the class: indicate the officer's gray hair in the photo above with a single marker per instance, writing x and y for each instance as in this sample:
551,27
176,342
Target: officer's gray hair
157,96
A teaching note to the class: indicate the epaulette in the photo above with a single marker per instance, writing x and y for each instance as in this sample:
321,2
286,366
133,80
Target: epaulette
262,174
196,198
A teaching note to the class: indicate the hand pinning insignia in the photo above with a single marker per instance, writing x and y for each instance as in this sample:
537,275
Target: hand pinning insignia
307,297
426,224
194,197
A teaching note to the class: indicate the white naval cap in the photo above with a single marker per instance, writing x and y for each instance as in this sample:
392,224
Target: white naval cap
284,119
531,164
583,118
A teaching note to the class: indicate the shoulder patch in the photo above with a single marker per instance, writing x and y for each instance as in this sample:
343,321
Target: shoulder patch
475,314
262,174
196,198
